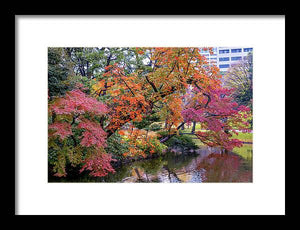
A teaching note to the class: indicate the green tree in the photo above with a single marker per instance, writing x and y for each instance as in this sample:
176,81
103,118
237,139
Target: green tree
58,71
240,77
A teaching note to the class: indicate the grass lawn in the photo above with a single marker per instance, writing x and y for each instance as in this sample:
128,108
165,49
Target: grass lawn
247,137
189,129
242,136
245,151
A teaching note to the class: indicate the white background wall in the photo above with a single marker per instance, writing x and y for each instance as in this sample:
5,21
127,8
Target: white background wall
264,196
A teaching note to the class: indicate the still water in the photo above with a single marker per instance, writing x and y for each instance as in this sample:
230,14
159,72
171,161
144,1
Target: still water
204,165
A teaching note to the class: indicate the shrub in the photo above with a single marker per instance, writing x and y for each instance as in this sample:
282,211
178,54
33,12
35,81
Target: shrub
181,141
116,146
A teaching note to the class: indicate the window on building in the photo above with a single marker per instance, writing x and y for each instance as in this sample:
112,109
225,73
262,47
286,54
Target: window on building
236,50
214,50
224,66
223,51
224,59
236,58
248,49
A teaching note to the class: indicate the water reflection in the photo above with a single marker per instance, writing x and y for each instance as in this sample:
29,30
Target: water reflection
204,165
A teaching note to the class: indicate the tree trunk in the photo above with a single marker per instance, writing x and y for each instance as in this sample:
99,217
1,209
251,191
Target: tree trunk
194,126
166,124
164,139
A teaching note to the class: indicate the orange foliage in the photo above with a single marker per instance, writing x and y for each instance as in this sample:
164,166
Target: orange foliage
173,72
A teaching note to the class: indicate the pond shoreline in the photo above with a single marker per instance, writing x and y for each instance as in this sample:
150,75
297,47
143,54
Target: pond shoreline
175,151
202,164
126,161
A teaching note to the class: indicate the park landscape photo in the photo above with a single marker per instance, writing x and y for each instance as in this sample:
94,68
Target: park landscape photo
150,114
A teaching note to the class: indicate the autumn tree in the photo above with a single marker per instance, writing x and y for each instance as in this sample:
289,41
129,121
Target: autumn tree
220,118
76,136
133,84
161,83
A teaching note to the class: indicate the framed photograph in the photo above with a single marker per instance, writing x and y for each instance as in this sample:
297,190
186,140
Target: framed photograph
150,115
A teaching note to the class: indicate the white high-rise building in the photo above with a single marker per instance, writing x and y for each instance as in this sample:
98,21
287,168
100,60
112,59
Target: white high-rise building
225,57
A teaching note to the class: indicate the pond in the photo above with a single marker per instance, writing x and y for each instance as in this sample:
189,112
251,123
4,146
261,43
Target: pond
205,164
